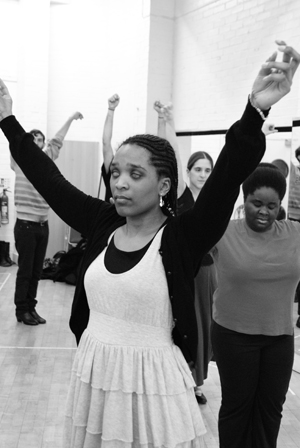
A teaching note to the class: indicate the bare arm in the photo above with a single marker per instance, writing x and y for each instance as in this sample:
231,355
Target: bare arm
54,144
166,129
107,150
62,132
172,138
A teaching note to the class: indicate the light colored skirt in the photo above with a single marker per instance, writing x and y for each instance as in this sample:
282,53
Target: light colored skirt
134,391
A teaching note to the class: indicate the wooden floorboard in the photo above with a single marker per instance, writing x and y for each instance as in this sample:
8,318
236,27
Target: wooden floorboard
35,366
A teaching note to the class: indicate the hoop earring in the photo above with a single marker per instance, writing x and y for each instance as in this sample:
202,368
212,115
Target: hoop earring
161,201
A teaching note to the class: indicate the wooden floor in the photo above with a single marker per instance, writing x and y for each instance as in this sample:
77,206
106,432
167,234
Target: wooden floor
35,365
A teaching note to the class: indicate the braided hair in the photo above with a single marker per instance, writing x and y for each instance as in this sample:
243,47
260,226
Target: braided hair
162,157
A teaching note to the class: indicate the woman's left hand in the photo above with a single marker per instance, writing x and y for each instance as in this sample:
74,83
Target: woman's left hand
274,79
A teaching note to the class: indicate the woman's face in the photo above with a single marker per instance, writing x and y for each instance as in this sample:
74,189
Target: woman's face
199,173
134,182
261,209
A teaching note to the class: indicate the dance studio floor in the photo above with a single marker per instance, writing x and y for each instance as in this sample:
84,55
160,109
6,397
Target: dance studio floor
35,365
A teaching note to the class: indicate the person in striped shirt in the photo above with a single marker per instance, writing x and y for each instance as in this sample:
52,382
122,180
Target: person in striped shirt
31,229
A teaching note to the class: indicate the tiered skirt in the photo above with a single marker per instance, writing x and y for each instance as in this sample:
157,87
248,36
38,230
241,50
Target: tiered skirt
130,388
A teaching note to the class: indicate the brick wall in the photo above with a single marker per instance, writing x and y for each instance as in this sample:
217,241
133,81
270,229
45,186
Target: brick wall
218,48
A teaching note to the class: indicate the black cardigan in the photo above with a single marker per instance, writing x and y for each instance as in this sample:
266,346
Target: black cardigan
186,238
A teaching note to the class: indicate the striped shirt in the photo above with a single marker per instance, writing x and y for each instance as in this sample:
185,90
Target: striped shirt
30,205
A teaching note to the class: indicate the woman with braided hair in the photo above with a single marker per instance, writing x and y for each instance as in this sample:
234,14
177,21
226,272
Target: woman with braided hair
133,310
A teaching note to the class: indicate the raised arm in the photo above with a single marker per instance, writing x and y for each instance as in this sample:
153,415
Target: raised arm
107,150
73,206
54,144
166,129
62,132
173,139
205,224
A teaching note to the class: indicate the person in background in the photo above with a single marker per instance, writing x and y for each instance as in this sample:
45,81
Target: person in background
258,268
133,311
107,150
31,229
294,208
292,204
283,167
269,128
294,190
199,168
297,297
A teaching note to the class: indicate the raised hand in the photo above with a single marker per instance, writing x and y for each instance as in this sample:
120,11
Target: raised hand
275,78
113,101
158,106
77,116
5,101
164,111
168,113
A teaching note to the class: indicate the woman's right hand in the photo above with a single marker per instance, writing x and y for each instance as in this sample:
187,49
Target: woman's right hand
5,101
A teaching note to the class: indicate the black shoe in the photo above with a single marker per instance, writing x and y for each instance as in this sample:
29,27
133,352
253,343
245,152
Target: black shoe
201,399
27,319
298,322
38,318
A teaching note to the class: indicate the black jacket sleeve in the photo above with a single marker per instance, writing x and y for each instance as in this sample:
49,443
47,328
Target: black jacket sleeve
206,222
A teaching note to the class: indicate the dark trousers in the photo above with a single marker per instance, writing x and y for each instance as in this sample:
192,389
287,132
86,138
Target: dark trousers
255,372
297,296
31,241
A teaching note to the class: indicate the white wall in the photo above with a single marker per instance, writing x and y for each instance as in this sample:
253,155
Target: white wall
219,46
73,55
201,54
9,68
94,53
